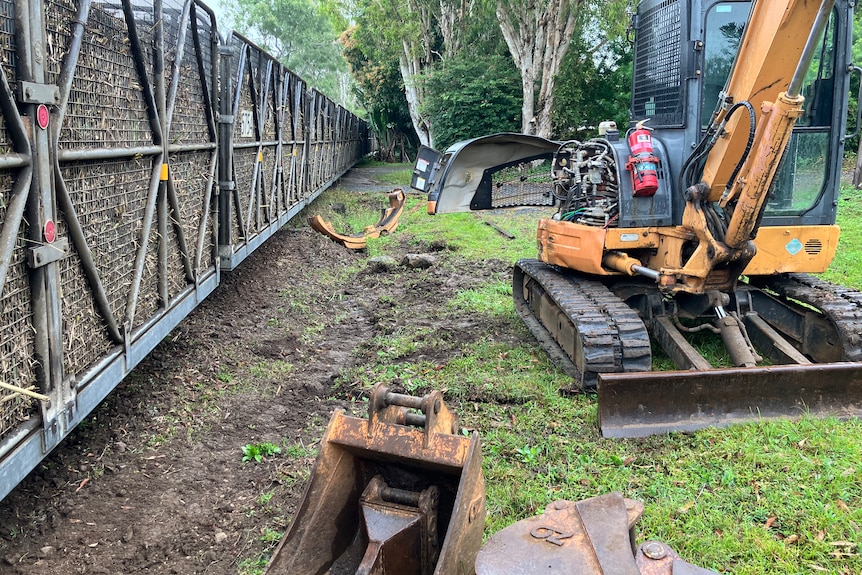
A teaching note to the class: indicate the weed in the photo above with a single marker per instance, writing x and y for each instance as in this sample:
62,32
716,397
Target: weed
264,498
253,566
529,454
269,535
259,451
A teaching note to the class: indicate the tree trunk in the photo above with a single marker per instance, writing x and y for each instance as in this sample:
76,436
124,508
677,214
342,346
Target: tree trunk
558,36
522,54
410,67
537,32
453,15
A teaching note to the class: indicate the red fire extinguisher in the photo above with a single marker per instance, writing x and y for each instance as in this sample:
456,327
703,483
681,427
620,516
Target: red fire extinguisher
642,164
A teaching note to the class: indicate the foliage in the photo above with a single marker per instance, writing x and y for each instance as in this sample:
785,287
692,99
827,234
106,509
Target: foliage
469,97
539,36
258,451
404,34
593,89
299,35
417,40
380,90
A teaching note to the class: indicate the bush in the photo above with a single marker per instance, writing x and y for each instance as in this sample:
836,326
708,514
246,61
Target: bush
590,90
471,96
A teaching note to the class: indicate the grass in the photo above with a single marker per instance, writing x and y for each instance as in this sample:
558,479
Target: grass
845,268
769,497
397,177
465,233
492,299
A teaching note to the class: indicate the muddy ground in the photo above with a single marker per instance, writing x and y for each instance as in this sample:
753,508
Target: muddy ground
154,481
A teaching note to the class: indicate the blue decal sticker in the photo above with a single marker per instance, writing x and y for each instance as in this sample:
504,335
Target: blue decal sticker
793,246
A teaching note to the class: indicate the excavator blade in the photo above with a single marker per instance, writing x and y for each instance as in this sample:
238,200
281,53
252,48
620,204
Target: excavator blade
651,403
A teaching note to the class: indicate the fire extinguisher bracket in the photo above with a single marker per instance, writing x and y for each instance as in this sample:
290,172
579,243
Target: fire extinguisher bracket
643,164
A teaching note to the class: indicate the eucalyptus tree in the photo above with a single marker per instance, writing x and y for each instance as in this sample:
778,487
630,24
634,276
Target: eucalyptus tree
416,34
300,34
538,34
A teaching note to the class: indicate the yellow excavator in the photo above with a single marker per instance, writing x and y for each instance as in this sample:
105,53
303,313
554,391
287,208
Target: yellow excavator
700,219
705,216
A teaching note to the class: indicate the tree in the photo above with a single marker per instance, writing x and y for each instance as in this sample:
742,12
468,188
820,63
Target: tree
592,89
381,91
392,30
538,34
299,35
417,34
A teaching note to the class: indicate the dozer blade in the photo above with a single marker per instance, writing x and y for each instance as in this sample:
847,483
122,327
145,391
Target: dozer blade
399,492
652,403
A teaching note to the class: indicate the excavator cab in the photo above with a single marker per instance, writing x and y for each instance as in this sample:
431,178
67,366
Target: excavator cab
703,216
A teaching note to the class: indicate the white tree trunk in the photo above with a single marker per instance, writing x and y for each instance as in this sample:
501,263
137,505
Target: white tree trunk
453,14
410,67
537,32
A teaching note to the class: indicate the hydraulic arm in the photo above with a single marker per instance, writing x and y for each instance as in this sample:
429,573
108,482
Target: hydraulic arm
736,161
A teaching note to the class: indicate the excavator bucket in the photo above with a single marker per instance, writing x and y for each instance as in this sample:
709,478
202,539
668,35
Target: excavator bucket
399,492
640,404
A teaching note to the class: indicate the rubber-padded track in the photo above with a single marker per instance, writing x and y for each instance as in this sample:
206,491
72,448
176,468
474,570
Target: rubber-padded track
841,305
609,336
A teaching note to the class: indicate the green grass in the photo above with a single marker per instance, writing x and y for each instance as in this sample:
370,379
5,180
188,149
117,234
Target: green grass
465,233
398,177
769,497
492,298
845,268
760,498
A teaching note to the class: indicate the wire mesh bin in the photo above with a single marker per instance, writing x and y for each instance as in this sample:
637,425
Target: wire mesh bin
151,133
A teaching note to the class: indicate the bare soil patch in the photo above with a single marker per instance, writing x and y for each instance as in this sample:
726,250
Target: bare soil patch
154,482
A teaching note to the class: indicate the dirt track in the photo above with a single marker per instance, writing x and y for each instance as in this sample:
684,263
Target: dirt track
154,480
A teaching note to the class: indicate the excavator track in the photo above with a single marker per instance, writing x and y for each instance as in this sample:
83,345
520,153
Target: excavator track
840,306
580,323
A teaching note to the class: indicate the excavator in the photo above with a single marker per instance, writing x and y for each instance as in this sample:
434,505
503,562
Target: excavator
702,219
706,216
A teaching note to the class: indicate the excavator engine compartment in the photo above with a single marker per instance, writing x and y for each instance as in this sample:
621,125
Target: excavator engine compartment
593,187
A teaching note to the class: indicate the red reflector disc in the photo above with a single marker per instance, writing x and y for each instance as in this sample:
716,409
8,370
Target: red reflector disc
50,231
42,116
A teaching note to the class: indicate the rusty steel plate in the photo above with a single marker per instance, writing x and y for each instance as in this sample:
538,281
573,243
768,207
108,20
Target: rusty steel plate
590,537
650,403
